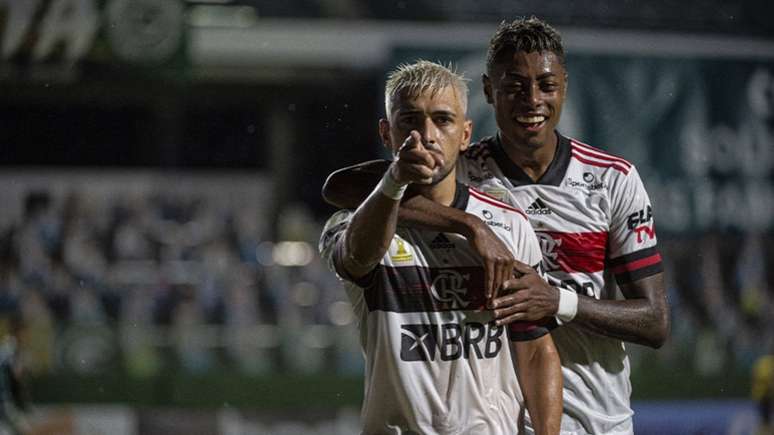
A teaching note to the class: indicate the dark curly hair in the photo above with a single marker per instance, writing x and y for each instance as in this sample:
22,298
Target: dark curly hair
524,34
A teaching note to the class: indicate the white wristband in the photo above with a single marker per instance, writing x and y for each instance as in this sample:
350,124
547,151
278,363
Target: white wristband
568,305
391,188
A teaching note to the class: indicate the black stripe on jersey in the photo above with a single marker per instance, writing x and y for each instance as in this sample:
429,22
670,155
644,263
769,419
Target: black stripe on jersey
461,197
410,289
553,175
636,275
634,256
523,331
627,270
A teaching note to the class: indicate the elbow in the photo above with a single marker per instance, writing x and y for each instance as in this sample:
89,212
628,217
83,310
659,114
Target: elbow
660,330
543,353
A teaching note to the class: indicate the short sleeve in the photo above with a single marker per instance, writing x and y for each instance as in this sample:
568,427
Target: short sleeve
330,241
633,254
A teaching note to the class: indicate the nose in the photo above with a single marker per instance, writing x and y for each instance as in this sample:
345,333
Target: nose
428,131
532,94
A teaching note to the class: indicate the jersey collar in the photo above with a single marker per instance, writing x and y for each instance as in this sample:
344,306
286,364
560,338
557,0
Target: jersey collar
461,196
552,177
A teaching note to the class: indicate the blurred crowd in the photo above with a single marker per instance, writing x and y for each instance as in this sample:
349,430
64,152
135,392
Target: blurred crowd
721,293
154,281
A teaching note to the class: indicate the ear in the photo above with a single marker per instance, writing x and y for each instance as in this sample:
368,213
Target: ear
487,88
467,133
384,133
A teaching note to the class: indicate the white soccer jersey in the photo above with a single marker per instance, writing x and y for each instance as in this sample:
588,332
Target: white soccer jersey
435,361
594,221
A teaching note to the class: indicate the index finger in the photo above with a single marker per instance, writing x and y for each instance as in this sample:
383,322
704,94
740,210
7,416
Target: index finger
489,279
414,140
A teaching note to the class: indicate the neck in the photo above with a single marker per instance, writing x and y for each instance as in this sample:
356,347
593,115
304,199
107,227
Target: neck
533,160
442,192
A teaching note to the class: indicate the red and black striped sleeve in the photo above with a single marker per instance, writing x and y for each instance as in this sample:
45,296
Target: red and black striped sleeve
636,266
525,331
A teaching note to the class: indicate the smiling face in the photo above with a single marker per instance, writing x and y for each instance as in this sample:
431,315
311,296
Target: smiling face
527,91
440,119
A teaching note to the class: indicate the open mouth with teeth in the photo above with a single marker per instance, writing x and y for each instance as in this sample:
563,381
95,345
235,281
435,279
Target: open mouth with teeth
532,123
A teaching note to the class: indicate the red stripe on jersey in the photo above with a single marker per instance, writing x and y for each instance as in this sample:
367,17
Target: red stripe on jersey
489,200
573,252
594,152
522,326
613,165
638,264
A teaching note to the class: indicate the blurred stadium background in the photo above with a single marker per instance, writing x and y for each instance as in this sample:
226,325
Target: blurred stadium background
160,170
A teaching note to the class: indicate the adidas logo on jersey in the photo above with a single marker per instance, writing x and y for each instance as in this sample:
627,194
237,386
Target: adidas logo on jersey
538,207
441,242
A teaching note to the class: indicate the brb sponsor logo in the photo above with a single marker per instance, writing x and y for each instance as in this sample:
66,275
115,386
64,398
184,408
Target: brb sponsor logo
450,341
641,223
450,287
550,248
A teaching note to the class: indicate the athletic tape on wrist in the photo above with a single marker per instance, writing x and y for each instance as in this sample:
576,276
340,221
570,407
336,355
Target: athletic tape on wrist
390,188
568,305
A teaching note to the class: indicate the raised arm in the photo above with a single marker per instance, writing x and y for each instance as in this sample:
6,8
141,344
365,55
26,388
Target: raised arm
642,318
540,377
372,226
348,187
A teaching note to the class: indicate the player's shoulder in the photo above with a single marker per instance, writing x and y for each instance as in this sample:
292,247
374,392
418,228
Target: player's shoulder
479,150
335,224
337,218
597,160
482,199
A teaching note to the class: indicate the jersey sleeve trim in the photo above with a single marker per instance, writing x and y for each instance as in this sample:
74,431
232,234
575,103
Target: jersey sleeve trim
596,153
637,265
525,331
601,164
483,197
338,254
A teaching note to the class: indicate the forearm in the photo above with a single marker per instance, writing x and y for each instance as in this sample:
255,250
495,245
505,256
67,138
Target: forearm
642,318
349,187
420,212
369,233
540,376
633,320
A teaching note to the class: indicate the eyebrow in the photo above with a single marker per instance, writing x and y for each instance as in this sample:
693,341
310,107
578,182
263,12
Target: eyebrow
545,75
435,112
445,112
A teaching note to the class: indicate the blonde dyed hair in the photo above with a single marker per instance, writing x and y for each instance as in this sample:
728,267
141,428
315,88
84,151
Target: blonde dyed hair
422,76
